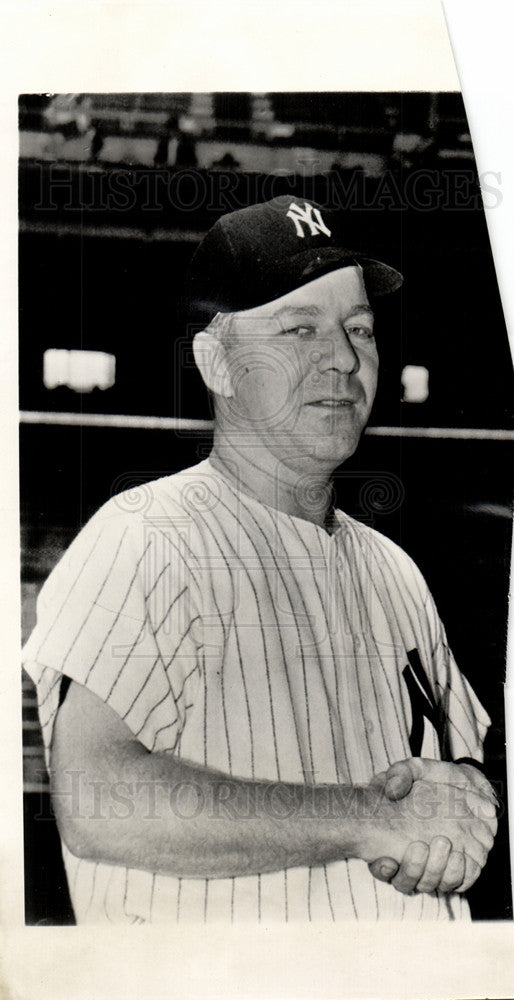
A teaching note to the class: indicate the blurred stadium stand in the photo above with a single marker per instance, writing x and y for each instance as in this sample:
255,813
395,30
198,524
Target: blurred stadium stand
131,127
115,192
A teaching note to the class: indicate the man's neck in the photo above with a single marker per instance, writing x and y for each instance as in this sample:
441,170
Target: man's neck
259,474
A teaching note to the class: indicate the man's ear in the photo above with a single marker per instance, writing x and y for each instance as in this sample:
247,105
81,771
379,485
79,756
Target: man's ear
210,358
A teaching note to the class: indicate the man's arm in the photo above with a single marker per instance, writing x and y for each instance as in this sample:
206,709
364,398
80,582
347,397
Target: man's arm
116,802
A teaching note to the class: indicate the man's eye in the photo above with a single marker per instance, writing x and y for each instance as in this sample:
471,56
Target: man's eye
300,331
363,332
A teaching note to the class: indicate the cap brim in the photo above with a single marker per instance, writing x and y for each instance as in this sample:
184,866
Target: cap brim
380,279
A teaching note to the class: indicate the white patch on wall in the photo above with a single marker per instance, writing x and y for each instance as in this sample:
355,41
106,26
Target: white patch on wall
415,384
81,371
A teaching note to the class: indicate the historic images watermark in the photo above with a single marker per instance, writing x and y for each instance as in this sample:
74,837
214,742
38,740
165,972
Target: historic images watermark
61,187
226,798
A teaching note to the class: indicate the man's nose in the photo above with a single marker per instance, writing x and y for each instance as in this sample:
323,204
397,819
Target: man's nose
335,352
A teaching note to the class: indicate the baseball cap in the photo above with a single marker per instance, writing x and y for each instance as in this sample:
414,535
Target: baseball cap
257,254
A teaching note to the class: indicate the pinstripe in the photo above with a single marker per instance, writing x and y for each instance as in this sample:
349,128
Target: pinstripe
329,897
92,893
376,898
125,892
192,562
116,619
355,657
394,571
51,689
272,604
371,656
335,666
166,614
152,710
184,636
409,605
449,722
139,693
186,678
156,581
106,898
263,633
167,666
170,691
76,872
465,708
286,589
70,591
398,625
169,725
410,581
124,664
150,907
236,637
351,890
453,725
205,710
95,600
369,557
225,721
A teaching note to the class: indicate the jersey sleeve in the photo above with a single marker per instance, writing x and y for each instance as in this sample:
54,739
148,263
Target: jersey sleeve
465,721
119,614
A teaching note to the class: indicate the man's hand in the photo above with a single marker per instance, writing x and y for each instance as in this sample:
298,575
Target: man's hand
436,865
397,781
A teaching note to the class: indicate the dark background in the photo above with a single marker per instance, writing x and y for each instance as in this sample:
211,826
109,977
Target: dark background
102,267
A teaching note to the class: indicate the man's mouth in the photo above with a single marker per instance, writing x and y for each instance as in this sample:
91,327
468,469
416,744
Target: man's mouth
334,404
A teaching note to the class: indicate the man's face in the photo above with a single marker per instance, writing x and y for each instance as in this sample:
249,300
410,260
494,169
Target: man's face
303,370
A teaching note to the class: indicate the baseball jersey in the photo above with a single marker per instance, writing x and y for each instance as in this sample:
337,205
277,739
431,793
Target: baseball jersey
255,643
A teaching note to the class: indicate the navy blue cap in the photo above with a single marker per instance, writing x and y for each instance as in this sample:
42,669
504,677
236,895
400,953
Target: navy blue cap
257,254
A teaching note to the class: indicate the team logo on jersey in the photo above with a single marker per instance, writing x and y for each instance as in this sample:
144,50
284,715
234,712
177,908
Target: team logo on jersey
424,706
309,217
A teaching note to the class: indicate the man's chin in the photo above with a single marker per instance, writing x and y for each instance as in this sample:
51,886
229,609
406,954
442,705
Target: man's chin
336,452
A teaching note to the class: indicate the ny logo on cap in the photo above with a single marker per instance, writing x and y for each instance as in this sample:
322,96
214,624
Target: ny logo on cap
308,216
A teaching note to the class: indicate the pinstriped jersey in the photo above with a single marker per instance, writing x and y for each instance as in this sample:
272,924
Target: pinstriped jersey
253,642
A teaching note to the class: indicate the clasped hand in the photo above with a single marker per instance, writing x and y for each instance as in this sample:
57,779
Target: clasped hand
442,829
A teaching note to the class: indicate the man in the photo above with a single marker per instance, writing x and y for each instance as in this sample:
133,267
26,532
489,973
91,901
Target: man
264,720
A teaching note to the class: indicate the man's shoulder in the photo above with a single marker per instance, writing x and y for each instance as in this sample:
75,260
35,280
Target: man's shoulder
162,498
378,545
127,517
126,524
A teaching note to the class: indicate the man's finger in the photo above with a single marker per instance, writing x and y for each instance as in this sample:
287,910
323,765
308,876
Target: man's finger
483,807
471,874
440,850
463,776
480,782
399,780
383,869
482,832
454,873
412,867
